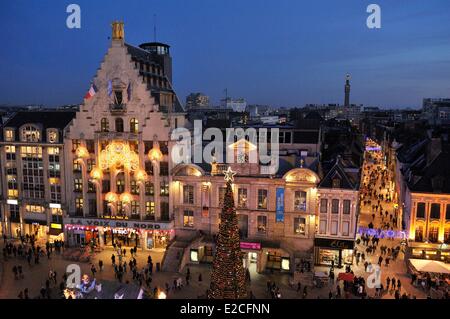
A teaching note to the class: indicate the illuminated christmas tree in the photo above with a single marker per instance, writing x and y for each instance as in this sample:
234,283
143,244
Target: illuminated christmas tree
228,275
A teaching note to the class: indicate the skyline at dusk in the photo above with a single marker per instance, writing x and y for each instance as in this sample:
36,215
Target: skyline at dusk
280,54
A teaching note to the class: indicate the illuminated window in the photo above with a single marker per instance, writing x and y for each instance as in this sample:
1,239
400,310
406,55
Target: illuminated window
262,198
164,188
77,185
9,135
34,209
76,166
418,233
447,212
188,194
150,210
242,197
300,201
104,125
90,163
447,235
299,226
336,183
134,188
149,188
262,224
120,184
79,205
52,136
134,125
134,207
433,233
31,134
75,145
188,218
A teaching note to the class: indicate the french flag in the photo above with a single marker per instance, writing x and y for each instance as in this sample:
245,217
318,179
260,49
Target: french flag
91,91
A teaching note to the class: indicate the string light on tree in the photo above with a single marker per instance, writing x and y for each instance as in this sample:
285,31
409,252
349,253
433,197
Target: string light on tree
228,276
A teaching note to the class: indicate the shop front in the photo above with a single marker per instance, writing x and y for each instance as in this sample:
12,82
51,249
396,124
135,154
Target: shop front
38,228
335,252
108,232
55,233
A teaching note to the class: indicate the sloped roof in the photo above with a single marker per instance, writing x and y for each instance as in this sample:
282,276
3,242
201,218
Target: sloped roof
337,170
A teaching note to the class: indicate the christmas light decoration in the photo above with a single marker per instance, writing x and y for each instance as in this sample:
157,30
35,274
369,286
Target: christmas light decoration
111,197
126,198
228,276
96,173
82,152
155,153
141,175
117,154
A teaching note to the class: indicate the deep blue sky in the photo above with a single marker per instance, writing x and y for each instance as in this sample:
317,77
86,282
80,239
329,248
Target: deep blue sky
283,53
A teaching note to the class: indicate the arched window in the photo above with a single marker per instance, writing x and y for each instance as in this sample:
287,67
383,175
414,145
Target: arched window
119,125
104,125
134,125
31,134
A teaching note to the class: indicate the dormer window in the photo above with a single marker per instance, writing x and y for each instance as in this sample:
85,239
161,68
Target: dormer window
52,136
9,135
31,134
336,182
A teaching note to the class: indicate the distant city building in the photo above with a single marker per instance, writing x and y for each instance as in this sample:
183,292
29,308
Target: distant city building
436,111
237,105
197,100
347,91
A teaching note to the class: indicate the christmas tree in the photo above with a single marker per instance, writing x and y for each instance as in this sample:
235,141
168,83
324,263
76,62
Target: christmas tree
228,275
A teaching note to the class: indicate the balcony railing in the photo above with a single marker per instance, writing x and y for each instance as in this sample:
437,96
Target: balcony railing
117,108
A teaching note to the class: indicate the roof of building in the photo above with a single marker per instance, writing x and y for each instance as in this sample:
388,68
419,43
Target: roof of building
338,171
45,119
434,177
148,57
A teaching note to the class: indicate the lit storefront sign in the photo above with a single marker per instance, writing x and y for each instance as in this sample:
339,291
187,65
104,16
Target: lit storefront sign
12,202
285,263
280,205
194,255
247,245
118,223
55,226
55,205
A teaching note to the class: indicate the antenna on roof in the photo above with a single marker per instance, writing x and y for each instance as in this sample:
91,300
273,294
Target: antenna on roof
154,27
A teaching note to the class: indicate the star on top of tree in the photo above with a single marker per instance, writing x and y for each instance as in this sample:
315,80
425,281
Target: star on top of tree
229,174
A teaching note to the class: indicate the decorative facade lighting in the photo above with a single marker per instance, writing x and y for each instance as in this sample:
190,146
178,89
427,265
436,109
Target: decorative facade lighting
126,198
118,154
82,152
96,173
111,197
155,153
141,175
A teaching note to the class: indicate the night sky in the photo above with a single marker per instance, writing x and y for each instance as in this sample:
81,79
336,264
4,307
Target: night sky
282,53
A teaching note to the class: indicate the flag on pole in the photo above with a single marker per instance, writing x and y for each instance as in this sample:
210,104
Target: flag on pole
110,90
91,92
129,91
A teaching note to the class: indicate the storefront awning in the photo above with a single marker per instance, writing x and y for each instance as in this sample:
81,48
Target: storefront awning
431,266
346,276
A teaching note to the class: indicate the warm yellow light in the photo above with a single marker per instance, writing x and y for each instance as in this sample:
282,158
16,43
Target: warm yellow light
155,153
82,152
126,198
117,154
111,197
141,175
162,295
96,173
